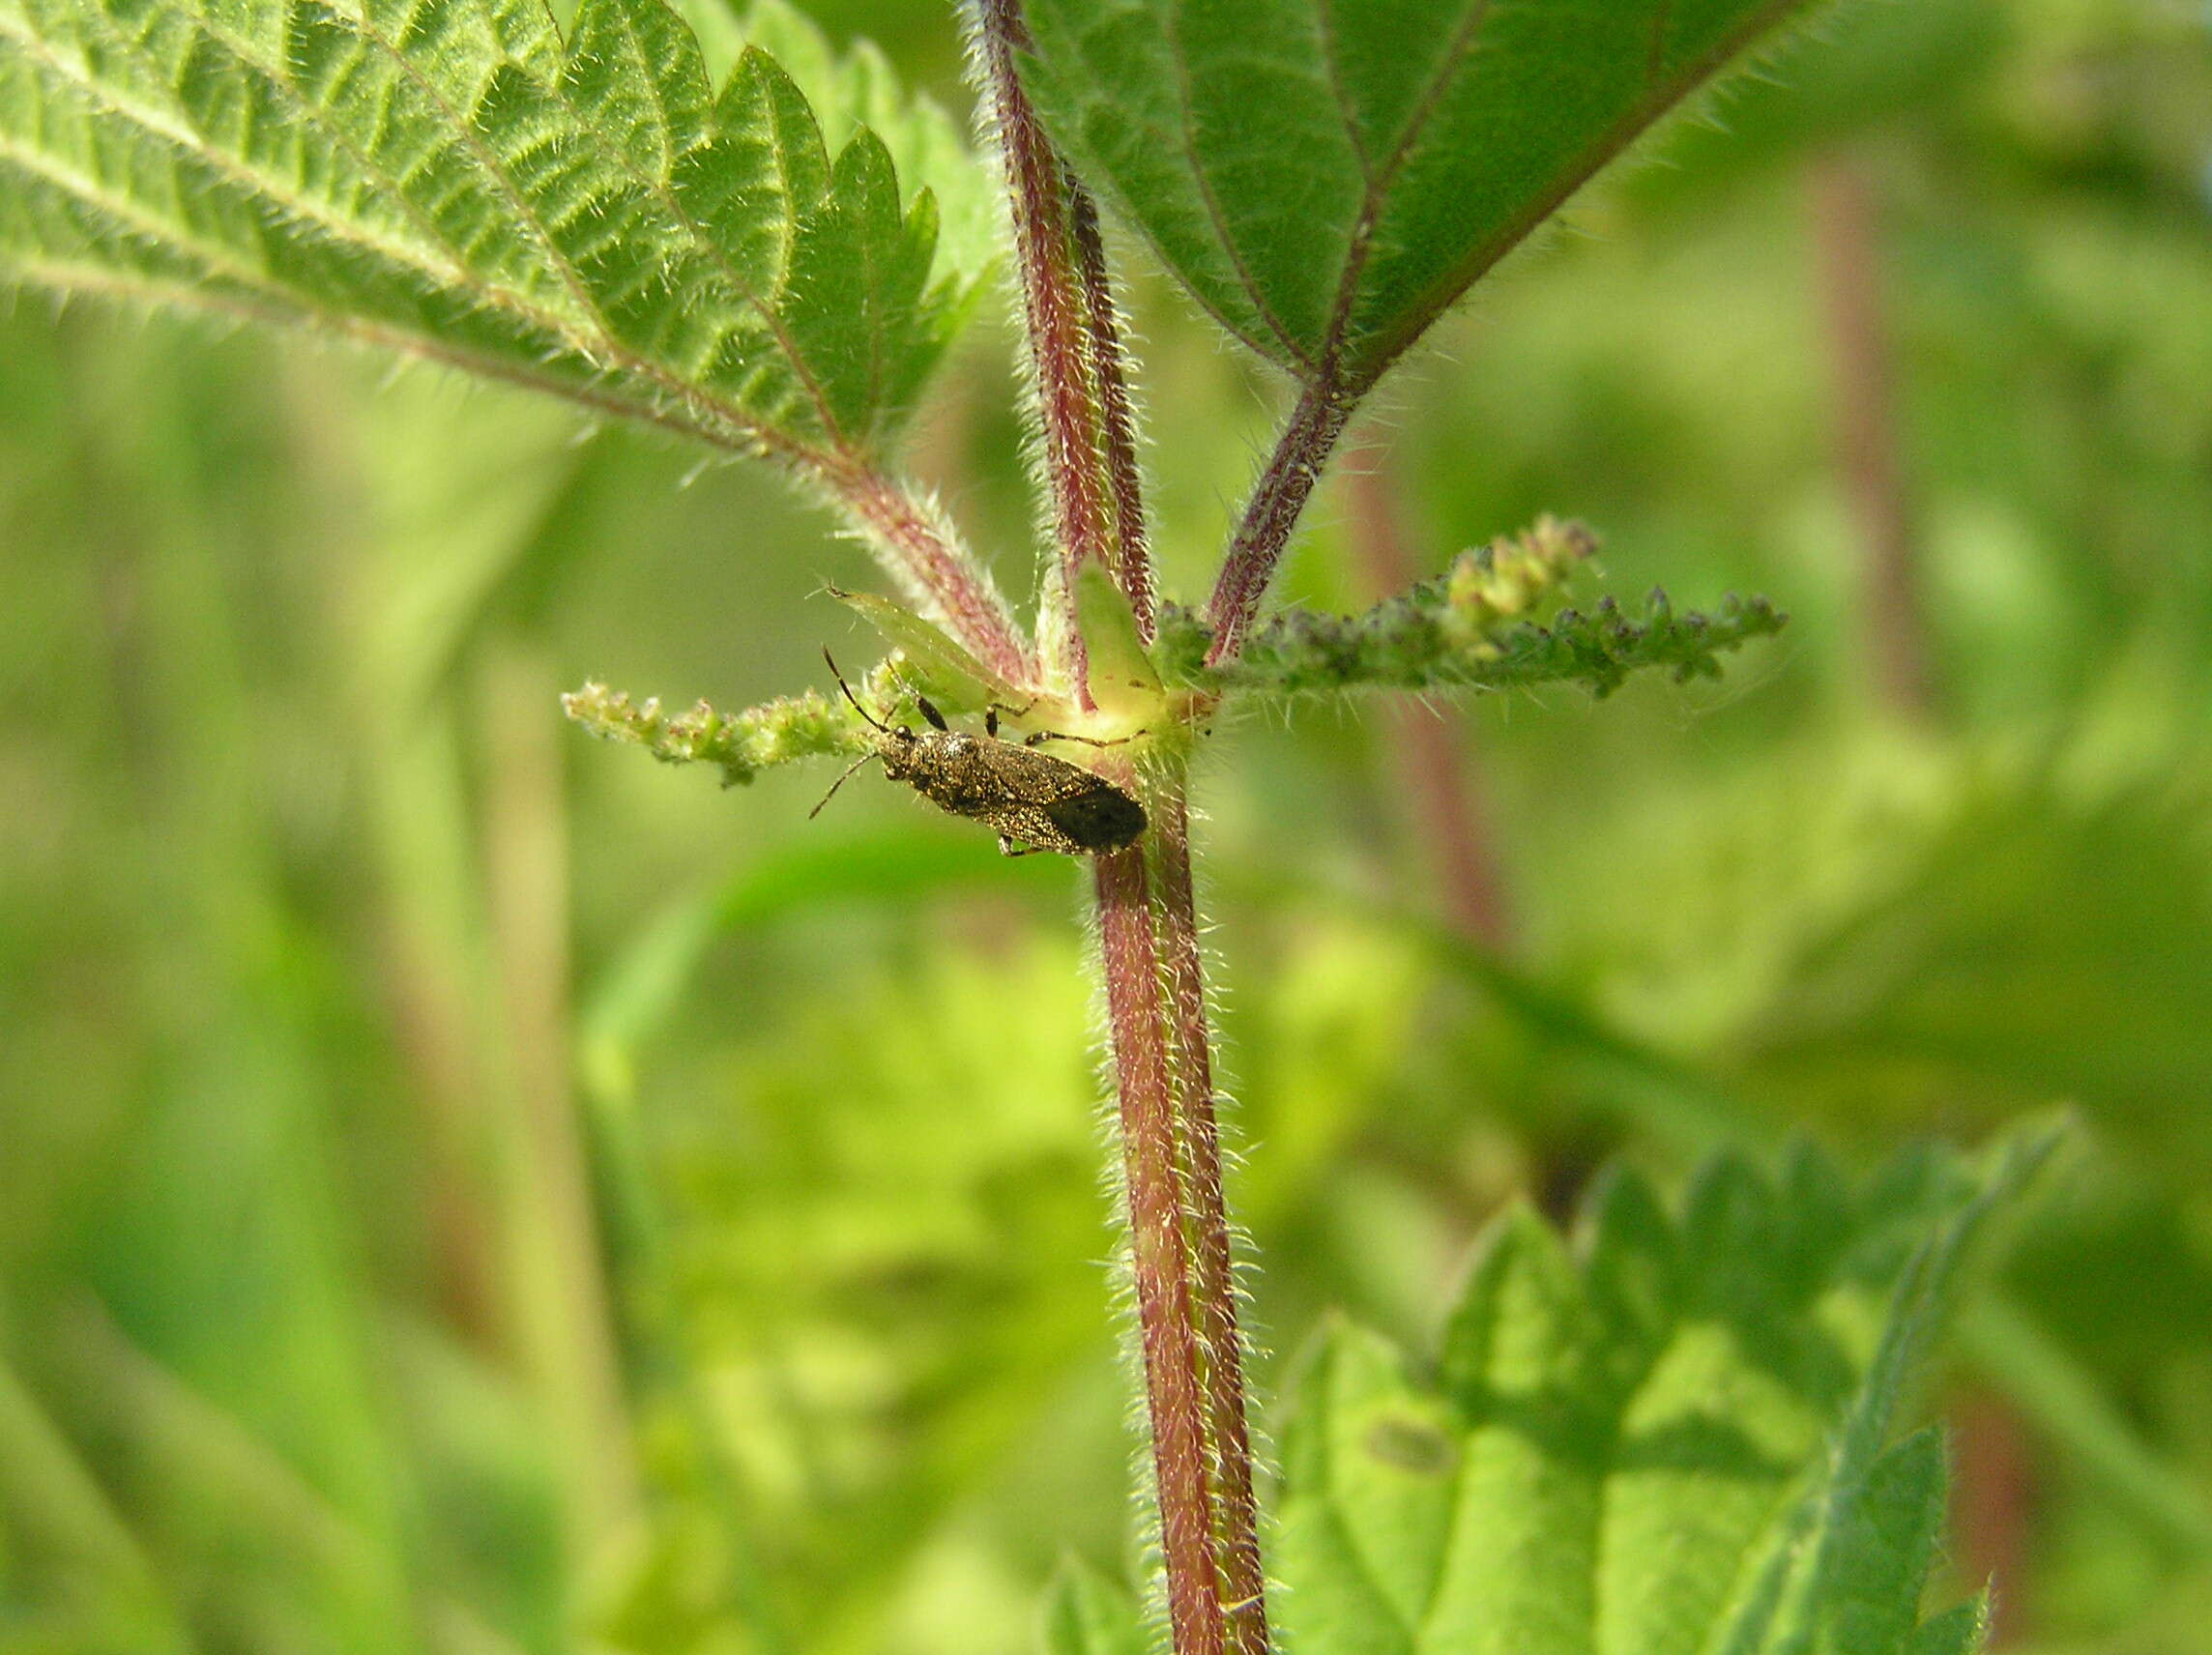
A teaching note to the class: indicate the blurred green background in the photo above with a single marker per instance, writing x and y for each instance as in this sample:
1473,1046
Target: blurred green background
469,1190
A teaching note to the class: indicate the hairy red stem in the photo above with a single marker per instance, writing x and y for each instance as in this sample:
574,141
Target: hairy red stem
1271,514
1133,567
1186,1321
946,584
1053,313
1157,1257
1190,1058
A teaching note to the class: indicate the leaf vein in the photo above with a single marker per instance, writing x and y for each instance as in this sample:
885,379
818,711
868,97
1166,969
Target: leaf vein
1379,181
1214,215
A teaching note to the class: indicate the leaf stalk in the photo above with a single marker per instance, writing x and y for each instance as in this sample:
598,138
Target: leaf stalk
1278,497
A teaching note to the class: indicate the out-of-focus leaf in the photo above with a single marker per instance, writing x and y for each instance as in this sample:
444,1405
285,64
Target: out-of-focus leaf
84,1554
2041,941
1085,1613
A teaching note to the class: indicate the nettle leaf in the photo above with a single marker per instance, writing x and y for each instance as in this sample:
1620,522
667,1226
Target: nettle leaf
450,177
1326,176
858,89
1676,1444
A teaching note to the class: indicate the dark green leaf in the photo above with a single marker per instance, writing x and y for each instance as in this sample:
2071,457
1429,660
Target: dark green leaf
1326,176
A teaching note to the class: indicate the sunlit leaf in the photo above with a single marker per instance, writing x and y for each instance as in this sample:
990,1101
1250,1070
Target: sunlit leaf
450,177
1676,1443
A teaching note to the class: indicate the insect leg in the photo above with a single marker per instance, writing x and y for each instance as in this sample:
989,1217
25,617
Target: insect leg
1008,848
1041,736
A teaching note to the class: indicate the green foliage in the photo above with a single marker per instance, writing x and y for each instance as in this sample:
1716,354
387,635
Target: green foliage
274,906
744,745
590,216
858,89
1087,1615
1654,1449
1428,141
1464,629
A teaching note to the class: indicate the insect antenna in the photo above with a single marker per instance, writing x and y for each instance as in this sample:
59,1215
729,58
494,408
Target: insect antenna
840,781
857,707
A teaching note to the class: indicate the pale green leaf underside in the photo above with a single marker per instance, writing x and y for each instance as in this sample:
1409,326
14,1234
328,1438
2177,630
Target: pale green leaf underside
453,178
1653,1451
1326,176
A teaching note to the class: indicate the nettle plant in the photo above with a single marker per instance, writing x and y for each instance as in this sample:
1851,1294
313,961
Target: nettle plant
1677,1440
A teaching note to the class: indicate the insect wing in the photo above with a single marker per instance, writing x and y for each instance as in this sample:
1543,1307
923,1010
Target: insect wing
1100,818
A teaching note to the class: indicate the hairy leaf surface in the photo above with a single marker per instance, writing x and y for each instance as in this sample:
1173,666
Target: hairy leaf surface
1326,176
450,177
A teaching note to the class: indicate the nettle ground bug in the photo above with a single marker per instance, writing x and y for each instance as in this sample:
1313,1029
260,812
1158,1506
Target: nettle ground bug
1037,803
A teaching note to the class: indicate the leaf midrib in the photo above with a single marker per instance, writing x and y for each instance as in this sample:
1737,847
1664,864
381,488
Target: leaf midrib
1639,117
1419,1633
1379,181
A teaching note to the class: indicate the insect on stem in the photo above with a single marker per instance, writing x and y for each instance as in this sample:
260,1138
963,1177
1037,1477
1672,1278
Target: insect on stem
1037,803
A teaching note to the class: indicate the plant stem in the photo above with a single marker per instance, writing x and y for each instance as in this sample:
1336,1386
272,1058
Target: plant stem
1429,744
1847,234
1133,568
1180,1253
1271,513
1158,1258
563,1302
1993,1503
1069,421
1190,1069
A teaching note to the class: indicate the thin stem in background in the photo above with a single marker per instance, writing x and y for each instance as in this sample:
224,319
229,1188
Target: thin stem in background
1055,323
1847,235
1159,1265
1278,499
1427,744
560,1290
1992,1505
1190,1069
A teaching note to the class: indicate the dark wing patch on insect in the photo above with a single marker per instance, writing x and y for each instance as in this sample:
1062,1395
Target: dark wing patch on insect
1103,818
